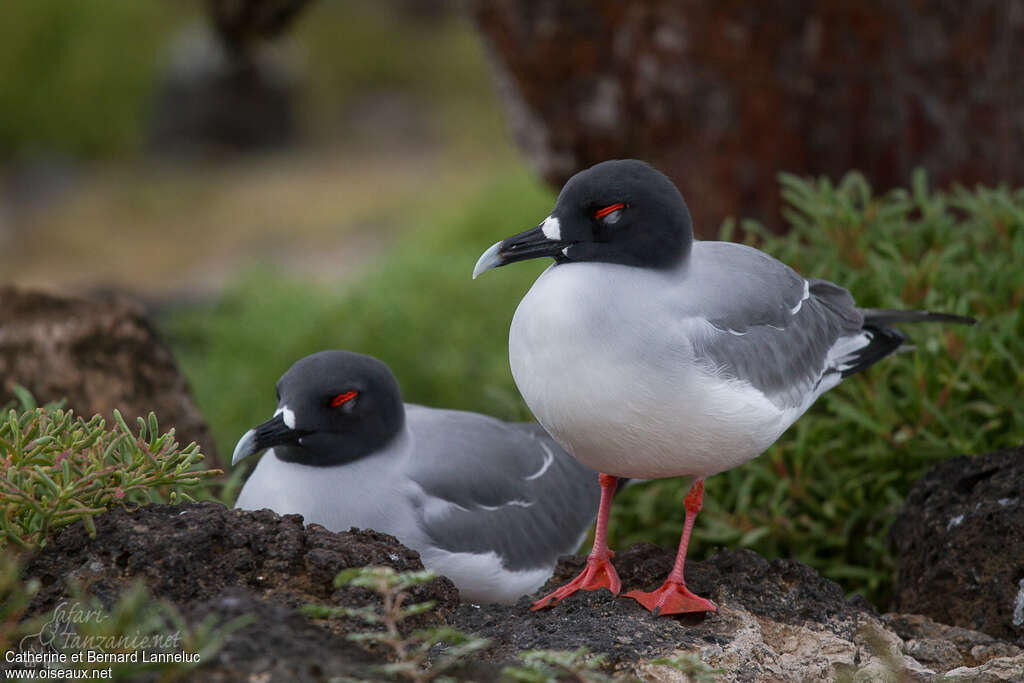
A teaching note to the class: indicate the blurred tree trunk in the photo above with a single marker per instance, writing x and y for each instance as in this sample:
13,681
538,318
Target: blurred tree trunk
724,95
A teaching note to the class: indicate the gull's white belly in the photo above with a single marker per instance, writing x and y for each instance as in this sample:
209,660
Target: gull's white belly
619,386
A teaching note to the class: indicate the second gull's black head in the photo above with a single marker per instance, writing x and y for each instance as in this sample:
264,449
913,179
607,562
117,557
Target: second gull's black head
332,407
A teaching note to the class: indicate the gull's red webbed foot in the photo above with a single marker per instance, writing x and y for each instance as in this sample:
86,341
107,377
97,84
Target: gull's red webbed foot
672,598
599,573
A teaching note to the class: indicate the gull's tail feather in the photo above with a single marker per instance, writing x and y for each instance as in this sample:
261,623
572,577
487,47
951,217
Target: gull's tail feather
883,340
882,316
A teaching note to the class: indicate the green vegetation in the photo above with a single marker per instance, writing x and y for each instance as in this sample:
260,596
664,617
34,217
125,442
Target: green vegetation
56,469
15,595
551,666
79,78
428,654
443,334
824,494
434,64
421,655
692,666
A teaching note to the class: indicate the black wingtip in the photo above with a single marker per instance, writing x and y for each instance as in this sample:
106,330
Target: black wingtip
883,341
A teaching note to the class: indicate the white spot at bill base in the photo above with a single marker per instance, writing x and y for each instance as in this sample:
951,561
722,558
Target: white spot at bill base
288,416
551,228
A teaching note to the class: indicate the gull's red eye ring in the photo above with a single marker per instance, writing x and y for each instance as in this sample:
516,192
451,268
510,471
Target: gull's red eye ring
343,398
611,208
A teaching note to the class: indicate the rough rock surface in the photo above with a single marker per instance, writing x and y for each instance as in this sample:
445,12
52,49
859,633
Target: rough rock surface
960,540
278,645
782,591
206,558
724,95
100,354
191,552
946,648
777,620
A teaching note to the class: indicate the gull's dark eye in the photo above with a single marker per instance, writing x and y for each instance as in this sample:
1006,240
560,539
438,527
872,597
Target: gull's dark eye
610,214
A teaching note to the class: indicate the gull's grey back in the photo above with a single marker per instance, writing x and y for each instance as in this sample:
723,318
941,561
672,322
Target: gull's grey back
504,487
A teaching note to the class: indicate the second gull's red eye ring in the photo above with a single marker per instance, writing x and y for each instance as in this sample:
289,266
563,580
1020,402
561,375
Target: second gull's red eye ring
343,398
611,208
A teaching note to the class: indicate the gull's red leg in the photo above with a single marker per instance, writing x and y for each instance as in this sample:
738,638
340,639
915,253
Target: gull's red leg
599,572
673,597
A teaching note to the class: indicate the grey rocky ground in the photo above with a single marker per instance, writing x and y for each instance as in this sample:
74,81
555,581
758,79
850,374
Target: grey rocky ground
777,620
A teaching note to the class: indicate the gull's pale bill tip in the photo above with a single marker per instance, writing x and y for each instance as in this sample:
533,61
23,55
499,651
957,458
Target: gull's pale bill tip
489,259
245,447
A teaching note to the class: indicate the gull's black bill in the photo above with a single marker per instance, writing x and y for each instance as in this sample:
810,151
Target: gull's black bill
532,243
273,432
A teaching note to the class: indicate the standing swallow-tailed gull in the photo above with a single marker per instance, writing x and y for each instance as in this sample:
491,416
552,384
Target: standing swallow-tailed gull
489,504
646,353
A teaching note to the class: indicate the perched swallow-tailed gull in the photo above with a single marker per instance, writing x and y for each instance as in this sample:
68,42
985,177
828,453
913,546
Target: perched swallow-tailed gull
646,353
490,505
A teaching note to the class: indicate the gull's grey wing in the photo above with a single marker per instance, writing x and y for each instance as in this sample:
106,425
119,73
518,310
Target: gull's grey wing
506,488
778,331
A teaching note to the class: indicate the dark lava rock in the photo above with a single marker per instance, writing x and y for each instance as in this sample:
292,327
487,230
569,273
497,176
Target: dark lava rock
196,551
278,645
782,591
776,621
960,543
785,591
99,354
208,559
724,95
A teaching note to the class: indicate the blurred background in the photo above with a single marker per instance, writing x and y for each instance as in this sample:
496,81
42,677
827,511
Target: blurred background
275,177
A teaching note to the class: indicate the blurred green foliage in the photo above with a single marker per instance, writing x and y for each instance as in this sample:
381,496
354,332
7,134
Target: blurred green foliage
436,62
443,334
825,494
78,78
